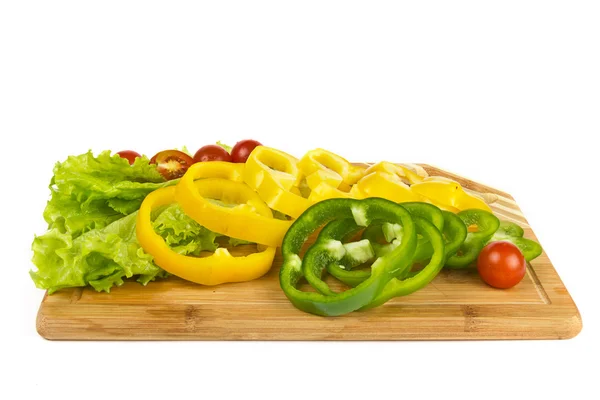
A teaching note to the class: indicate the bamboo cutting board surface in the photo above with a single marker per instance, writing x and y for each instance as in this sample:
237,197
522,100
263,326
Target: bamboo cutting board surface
456,305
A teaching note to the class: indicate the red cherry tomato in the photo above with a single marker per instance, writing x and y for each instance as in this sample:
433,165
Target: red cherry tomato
501,265
129,155
242,149
172,164
212,152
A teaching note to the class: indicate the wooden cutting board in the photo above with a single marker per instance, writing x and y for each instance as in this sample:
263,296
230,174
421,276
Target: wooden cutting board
456,305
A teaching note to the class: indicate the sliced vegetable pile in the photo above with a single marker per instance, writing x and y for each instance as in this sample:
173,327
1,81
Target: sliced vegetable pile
92,221
395,237
387,229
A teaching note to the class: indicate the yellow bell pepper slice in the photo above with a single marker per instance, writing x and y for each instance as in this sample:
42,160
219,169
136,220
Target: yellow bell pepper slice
217,169
386,185
251,219
403,172
449,194
324,191
274,175
320,165
219,268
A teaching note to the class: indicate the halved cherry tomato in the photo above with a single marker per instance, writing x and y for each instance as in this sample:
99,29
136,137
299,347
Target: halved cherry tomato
242,149
501,265
212,152
172,164
129,155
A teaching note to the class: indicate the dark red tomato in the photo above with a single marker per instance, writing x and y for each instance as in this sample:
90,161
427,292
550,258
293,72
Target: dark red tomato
212,152
242,149
501,265
129,155
172,164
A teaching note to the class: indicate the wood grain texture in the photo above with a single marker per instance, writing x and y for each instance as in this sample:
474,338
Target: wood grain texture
457,305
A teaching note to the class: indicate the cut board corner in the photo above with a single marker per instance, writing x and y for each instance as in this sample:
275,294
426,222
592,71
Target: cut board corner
572,326
40,322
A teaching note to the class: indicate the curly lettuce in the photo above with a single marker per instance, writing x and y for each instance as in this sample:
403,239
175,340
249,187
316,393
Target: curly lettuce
91,219
89,192
103,258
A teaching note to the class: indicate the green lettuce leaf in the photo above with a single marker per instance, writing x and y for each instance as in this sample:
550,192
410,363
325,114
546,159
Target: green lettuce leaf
89,192
91,219
183,234
225,146
237,242
103,258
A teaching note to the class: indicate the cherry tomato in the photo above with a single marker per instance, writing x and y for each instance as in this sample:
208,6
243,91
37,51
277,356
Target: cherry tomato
212,152
172,164
129,155
501,265
242,149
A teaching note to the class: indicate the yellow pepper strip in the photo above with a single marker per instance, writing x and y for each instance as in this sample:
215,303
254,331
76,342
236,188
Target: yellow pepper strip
449,194
404,173
274,175
324,166
219,268
251,219
386,185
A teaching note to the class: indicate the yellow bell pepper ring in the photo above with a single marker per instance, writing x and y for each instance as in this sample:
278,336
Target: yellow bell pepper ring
275,176
266,163
447,193
324,191
249,219
320,165
386,185
217,169
219,268
406,174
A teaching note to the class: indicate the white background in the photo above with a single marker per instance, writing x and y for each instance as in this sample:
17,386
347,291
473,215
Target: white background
506,93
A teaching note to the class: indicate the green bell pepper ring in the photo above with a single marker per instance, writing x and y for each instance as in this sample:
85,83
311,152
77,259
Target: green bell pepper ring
426,211
511,232
455,233
432,214
350,278
329,240
397,287
487,224
382,271
378,234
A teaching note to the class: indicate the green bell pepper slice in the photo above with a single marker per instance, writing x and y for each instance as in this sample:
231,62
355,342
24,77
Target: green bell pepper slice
454,231
402,287
382,271
511,232
487,224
